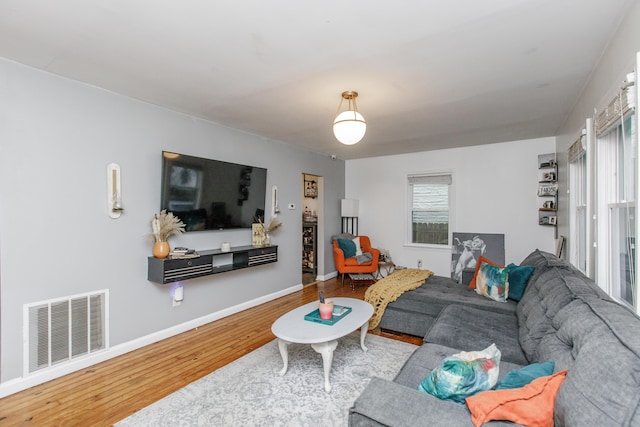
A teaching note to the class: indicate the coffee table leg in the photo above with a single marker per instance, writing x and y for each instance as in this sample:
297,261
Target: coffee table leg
326,350
284,352
363,334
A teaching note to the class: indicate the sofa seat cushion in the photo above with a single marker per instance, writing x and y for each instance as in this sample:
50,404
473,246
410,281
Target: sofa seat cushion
470,328
414,312
353,262
387,403
544,298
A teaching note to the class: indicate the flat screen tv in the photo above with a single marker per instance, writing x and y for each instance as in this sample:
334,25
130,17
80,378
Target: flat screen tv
210,194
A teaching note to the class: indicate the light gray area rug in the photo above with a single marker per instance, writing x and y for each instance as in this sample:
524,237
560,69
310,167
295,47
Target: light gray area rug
250,392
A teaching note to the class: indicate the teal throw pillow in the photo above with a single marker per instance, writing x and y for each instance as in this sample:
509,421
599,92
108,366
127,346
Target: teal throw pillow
493,282
521,377
463,374
348,247
518,279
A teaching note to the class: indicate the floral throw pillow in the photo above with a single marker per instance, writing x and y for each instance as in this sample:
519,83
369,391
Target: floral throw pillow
493,282
463,374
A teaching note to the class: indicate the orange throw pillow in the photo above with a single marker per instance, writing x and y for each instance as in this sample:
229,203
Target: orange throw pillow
472,283
531,405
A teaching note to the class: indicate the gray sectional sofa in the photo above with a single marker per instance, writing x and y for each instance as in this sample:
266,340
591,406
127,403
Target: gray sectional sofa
563,316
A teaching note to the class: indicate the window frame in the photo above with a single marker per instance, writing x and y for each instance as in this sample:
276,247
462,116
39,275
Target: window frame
608,199
409,208
580,203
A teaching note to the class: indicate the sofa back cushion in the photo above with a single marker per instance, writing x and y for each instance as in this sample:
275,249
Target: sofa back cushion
603,383
543,261
544,298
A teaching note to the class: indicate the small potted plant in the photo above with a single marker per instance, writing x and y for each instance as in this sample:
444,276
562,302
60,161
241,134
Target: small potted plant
164,225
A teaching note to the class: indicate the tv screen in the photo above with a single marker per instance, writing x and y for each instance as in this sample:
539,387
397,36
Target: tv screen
210,194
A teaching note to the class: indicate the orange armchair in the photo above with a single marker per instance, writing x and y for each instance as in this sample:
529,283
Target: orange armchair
350,265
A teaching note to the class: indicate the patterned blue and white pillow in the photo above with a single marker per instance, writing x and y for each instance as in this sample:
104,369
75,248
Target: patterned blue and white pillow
493,282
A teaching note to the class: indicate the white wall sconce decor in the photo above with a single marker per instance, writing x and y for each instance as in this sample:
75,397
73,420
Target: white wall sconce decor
349,126
275,210
114,191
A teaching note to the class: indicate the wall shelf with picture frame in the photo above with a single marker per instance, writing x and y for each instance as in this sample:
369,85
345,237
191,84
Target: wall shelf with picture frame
548,190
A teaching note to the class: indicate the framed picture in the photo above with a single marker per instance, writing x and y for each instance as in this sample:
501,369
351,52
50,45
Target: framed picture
552,220
549,176
257,234
467,248
560,246
310,189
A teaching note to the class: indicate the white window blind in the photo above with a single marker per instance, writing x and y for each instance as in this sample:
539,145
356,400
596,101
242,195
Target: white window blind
429,202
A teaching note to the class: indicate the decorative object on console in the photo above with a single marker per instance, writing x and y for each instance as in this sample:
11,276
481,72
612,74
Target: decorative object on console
349,213
257,234
164,225
225,246
267,230
349,126
114,191
161,249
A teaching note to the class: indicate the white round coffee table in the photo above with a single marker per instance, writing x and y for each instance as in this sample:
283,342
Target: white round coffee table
293,328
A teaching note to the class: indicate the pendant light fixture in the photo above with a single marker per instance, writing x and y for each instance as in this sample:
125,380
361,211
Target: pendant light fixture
349,126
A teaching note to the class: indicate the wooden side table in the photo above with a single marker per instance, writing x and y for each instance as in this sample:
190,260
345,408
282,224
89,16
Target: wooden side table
385,268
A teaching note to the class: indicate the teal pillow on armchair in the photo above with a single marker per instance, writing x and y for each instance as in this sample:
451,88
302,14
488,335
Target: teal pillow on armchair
348,247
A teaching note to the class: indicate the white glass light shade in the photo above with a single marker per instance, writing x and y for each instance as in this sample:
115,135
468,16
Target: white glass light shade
349,127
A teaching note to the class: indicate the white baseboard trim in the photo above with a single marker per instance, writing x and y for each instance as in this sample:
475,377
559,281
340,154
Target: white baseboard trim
22,383
325,277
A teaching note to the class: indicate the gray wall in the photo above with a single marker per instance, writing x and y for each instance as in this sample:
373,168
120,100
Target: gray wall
57,137
618,60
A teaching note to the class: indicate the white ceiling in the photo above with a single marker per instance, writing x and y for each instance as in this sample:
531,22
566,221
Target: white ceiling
431,74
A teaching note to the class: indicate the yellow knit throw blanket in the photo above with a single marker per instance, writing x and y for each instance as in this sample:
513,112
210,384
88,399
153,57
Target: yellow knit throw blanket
390,288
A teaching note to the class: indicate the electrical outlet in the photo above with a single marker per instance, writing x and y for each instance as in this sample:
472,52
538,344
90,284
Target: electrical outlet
419,264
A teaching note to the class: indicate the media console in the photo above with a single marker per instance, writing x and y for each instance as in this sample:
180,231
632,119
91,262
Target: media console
209,262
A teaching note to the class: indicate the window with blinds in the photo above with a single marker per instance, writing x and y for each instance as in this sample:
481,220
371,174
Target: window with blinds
578,199
617,177
429,213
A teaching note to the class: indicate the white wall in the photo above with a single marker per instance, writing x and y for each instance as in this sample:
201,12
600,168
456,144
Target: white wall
57,137
495,192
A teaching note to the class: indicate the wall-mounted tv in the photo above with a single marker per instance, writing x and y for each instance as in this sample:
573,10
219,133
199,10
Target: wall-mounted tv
210,194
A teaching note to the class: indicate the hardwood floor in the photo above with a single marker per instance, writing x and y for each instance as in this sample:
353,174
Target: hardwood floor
110,391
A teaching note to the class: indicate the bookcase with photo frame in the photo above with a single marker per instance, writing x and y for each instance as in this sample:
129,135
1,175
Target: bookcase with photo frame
548,190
